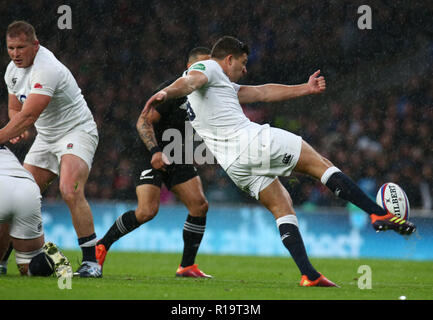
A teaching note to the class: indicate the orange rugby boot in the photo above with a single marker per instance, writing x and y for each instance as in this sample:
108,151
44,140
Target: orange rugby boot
391,222
322,281
100,253
191,271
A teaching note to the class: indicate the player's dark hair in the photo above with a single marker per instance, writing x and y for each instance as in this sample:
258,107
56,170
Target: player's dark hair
16,28
229,45
41,265
192,55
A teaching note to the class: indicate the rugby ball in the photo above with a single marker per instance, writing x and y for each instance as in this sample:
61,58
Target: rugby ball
392,198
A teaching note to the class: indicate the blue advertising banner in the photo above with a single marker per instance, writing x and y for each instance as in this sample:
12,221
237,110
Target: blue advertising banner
249,230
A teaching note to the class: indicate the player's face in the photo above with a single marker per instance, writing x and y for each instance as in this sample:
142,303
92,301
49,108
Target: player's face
238,67
21,50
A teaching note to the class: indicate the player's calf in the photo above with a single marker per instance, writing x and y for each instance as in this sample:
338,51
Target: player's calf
123,225
345,188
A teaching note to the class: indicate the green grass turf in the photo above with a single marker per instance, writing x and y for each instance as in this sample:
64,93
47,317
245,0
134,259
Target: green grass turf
150,276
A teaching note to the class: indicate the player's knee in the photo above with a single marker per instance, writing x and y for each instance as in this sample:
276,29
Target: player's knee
203,207
146,214
327,162
281,207
199,208
71,193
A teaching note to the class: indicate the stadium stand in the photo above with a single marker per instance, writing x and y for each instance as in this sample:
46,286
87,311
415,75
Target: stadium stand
374,127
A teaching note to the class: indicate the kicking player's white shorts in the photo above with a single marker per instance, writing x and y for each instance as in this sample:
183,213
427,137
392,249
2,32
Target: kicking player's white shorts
20,206
47,155
273,153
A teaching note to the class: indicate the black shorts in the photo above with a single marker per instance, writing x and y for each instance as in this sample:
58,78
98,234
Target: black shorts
174,175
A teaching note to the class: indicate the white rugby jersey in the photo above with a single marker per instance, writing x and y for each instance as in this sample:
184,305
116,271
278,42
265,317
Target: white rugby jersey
10,166
217,116
67,109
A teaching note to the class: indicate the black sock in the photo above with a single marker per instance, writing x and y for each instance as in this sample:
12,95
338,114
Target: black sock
7,254
87,245
292,240
124,224
344,187
193,231
41,265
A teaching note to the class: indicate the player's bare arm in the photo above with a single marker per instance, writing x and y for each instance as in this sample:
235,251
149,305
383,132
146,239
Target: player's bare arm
145,128
279,92
180,88
14,106
147,135
24,119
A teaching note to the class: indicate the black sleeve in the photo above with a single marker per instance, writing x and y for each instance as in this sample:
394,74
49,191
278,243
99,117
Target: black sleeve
164,84
168,106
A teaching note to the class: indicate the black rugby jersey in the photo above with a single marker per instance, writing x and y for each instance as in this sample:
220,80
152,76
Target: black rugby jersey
173,116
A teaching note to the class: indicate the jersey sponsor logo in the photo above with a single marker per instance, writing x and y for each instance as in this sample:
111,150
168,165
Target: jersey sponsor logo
22,98
38,86
144,174
69,146
287,159
247,190
198,66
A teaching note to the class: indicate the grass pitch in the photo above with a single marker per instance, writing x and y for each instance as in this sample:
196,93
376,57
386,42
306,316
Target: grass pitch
150,276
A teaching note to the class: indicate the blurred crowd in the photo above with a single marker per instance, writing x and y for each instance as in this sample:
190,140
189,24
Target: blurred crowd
120,51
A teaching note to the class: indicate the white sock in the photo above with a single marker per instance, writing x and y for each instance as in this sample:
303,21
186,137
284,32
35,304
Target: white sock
328,173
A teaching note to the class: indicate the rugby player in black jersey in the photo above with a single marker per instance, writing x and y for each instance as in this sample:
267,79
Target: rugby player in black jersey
153,169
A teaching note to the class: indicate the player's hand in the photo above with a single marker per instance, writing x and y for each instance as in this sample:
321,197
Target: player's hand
154,100
317,84
23,136
159,161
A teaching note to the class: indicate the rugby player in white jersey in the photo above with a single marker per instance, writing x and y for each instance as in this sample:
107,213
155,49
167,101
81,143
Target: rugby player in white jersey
20,210
44,93
255,155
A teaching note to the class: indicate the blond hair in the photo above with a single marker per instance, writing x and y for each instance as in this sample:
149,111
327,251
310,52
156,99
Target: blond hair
16,28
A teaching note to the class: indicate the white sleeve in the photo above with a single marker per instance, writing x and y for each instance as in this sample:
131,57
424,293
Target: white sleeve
45,80
204,67
236,86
